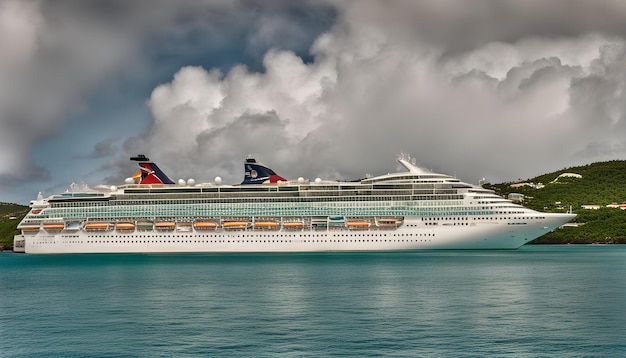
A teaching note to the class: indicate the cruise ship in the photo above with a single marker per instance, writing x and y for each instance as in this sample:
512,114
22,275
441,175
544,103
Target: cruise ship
411,210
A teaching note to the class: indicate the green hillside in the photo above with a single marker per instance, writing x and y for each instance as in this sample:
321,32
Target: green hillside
601,184
10,216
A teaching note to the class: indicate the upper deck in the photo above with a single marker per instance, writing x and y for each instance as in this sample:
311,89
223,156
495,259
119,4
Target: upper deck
414,192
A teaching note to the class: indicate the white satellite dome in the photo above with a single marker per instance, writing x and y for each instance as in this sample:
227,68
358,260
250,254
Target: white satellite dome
318,180
301,180
129,180
181,182
218,180
114,188
191,182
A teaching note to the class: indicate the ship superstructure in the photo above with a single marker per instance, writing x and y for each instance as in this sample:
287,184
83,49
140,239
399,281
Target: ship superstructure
411,210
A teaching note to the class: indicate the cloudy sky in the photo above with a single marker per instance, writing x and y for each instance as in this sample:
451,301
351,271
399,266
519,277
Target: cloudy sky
333,89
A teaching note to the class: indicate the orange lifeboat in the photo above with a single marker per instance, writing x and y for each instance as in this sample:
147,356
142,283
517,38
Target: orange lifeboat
205,225
235,224
54,226
265,224
125,226
293,224
97,226
358,224
165,225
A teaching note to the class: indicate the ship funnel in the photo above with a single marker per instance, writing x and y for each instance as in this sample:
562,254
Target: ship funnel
258,173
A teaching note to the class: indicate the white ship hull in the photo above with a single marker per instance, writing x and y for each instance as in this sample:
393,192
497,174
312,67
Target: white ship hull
414,234
413,210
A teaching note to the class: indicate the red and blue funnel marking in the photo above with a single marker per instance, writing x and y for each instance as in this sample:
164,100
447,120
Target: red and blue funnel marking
257,173
150,172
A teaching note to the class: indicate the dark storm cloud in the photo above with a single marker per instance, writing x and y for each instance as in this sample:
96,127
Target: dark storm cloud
57,55
104,148
464,25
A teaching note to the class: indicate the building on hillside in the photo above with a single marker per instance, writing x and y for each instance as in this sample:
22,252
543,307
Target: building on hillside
517,197
591,207
532,185
571,225
567,175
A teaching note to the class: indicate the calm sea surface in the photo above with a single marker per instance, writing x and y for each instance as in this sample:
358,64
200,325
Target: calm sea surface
566,301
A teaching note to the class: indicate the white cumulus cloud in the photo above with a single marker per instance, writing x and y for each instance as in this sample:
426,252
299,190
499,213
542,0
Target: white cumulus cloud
519,90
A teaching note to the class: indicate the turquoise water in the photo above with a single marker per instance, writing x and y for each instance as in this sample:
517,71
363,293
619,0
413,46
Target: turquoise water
536,301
